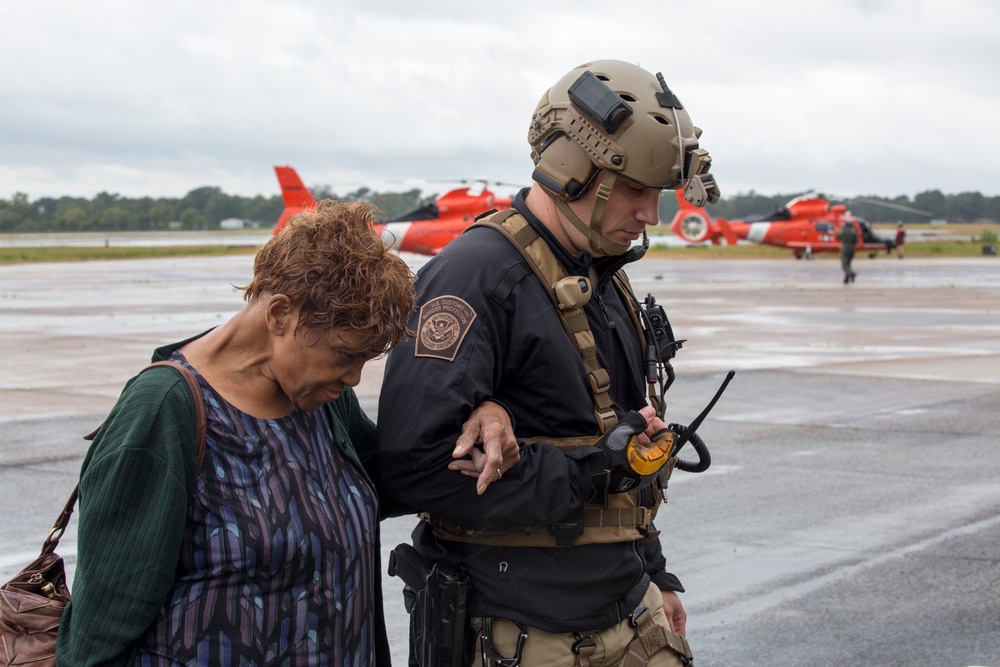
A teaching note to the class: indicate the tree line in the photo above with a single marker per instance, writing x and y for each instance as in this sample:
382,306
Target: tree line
204,208
201,209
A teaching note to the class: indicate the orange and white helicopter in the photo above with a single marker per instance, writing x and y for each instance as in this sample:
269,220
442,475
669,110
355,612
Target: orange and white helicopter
424,230
805,225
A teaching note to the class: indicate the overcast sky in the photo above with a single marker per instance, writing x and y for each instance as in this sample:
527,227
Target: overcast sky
134,97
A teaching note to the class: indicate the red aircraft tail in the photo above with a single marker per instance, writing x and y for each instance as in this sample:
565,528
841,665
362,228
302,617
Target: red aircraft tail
295,194
694,224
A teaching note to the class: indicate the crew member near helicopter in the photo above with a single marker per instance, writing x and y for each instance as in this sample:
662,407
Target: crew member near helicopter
564,562
848,237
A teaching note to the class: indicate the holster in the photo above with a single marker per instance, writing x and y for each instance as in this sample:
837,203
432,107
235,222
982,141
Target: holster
435,596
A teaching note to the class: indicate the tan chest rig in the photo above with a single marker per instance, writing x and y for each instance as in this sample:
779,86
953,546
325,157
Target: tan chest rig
623,519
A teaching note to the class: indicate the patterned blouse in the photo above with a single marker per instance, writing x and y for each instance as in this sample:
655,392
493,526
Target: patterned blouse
277,558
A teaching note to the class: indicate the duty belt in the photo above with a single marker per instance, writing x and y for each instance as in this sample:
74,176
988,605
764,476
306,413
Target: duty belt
601,526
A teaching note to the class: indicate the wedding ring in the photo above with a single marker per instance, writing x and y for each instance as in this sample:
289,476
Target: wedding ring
499,474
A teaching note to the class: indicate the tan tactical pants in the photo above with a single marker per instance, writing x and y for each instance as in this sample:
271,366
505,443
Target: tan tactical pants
547,649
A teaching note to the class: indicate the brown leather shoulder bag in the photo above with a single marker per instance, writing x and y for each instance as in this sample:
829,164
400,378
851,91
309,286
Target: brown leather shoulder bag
32,603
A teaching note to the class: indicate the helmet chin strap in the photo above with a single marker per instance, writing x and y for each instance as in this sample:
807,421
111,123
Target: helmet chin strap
598,244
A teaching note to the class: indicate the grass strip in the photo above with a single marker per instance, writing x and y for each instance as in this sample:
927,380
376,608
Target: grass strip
82,254
73,254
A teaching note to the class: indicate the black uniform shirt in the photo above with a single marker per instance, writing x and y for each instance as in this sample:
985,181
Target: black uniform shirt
486,328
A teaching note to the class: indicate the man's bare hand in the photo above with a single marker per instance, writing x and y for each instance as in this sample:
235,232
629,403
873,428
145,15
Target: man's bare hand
674,610
488,425
653,424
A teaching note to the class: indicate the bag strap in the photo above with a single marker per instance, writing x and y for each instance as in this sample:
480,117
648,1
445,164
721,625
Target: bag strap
201,431
60,526
200,434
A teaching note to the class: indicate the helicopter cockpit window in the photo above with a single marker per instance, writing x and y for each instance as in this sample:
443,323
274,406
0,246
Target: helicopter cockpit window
427,211
866,229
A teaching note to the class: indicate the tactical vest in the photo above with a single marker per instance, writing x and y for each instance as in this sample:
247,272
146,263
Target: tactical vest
624,519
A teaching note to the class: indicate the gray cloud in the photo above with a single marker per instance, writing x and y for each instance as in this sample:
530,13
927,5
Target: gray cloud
864,97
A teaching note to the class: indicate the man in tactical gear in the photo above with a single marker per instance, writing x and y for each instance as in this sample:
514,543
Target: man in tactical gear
530,308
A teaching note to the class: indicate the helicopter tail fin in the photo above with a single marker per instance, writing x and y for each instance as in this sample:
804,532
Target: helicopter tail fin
692,223
295,194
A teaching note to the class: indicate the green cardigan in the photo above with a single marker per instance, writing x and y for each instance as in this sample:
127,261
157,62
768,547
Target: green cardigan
135,483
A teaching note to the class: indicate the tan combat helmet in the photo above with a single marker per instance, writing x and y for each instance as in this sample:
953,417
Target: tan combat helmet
618,117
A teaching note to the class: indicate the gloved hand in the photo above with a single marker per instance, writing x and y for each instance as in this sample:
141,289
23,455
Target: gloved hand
633,464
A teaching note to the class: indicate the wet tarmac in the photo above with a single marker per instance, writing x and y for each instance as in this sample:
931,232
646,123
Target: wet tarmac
852,512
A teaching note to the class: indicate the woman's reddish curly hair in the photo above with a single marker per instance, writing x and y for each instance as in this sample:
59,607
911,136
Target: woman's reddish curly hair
336,270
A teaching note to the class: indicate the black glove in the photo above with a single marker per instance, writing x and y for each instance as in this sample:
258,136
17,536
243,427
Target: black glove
629,464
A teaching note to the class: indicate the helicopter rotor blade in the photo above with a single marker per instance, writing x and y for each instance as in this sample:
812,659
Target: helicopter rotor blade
898,207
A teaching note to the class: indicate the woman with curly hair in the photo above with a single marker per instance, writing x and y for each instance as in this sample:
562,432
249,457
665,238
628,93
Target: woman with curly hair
268,551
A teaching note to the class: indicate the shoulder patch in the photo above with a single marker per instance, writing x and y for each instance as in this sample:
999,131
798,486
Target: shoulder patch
444,321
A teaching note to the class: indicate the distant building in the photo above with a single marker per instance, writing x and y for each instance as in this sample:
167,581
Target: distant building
232,223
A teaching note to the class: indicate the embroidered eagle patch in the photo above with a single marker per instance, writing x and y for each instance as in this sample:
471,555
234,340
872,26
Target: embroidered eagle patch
444,321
